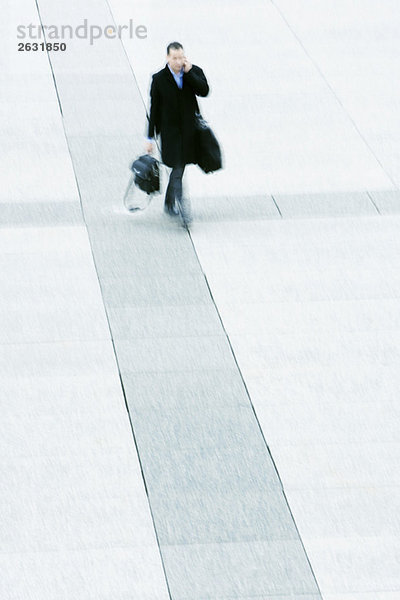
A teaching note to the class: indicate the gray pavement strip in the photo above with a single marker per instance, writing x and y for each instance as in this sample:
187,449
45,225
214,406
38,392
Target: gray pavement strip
324,205
209,474
132,322
258,568
198,493
168,354
158,290
235,208
387,202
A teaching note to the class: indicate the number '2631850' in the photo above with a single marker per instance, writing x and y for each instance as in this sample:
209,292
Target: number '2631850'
49,47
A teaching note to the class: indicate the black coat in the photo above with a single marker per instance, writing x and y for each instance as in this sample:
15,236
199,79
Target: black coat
172,114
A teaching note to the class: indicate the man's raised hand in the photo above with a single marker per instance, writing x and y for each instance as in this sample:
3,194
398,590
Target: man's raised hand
187,65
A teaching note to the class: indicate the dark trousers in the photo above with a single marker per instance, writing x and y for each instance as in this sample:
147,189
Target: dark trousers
174,189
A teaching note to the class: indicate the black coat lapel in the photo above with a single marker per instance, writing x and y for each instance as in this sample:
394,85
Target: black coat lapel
169,75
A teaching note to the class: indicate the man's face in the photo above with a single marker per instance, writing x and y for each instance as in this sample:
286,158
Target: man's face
175,59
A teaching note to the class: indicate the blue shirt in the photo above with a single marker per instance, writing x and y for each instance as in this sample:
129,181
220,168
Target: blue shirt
177,76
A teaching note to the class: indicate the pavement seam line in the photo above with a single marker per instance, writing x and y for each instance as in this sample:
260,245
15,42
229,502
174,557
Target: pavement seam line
276,204
255,415
106,312
374,203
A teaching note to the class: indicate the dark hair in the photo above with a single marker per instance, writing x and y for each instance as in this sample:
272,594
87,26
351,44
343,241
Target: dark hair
174,46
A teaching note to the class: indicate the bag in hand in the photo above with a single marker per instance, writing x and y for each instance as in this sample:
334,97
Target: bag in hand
144,182
147,173
209,156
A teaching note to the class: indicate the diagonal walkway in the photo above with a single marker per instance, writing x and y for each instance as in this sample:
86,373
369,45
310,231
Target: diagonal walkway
217,503
204,415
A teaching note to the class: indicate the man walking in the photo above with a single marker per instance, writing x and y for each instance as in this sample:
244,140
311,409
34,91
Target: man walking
173,105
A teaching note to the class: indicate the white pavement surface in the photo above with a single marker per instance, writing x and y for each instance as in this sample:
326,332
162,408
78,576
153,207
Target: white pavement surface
305,101
304,96
312,309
